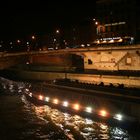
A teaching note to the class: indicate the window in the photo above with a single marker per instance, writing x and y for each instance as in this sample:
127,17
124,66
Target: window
89,61
128,60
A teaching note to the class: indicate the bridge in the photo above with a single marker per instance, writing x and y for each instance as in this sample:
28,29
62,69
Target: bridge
101,65
114,64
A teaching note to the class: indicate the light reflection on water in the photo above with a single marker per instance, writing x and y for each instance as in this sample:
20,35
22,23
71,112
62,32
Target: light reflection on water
75,125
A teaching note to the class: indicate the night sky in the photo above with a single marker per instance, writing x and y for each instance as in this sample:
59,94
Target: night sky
22,18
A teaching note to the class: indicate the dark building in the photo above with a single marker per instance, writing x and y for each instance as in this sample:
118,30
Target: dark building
117,20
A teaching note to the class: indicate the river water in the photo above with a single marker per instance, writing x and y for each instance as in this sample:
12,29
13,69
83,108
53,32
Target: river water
22,120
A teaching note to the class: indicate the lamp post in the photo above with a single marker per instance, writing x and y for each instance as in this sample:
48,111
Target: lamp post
57,41
33,42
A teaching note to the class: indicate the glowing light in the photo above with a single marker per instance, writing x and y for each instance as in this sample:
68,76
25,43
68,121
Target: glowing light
27,89
104,41
88,109
103,113
76,106
118,117
18,41
47,99
33,37
40,97
30,94
111,41
65,103
57,31
55,101
96,23
120,40
98,41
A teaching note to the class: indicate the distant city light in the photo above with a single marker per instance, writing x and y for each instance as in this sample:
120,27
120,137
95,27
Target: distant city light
33,37
65,103
118,117
88,109
55,101
30,94
18,41
47,99
40,97
103,113
76,106
88,45
96,23
57,31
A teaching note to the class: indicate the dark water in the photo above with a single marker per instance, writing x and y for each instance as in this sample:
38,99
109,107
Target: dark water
22,120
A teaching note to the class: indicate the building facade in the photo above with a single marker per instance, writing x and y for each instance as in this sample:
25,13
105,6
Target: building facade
117,21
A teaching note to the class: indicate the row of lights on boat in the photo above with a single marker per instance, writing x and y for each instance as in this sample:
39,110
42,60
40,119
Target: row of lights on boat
75,106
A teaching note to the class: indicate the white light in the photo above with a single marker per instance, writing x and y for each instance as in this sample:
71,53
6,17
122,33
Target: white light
65,103
82,45
118,117
30,94
96,23
47,99
27,89
88,109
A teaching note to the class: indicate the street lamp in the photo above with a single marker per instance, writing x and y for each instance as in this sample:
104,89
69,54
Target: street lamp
33,37
57,31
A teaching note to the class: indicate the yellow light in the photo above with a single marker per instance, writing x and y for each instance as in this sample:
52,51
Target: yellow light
98,41
40,97
55,101
88,109
120,40
76,106
65,103
47,99
103,113
111,41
